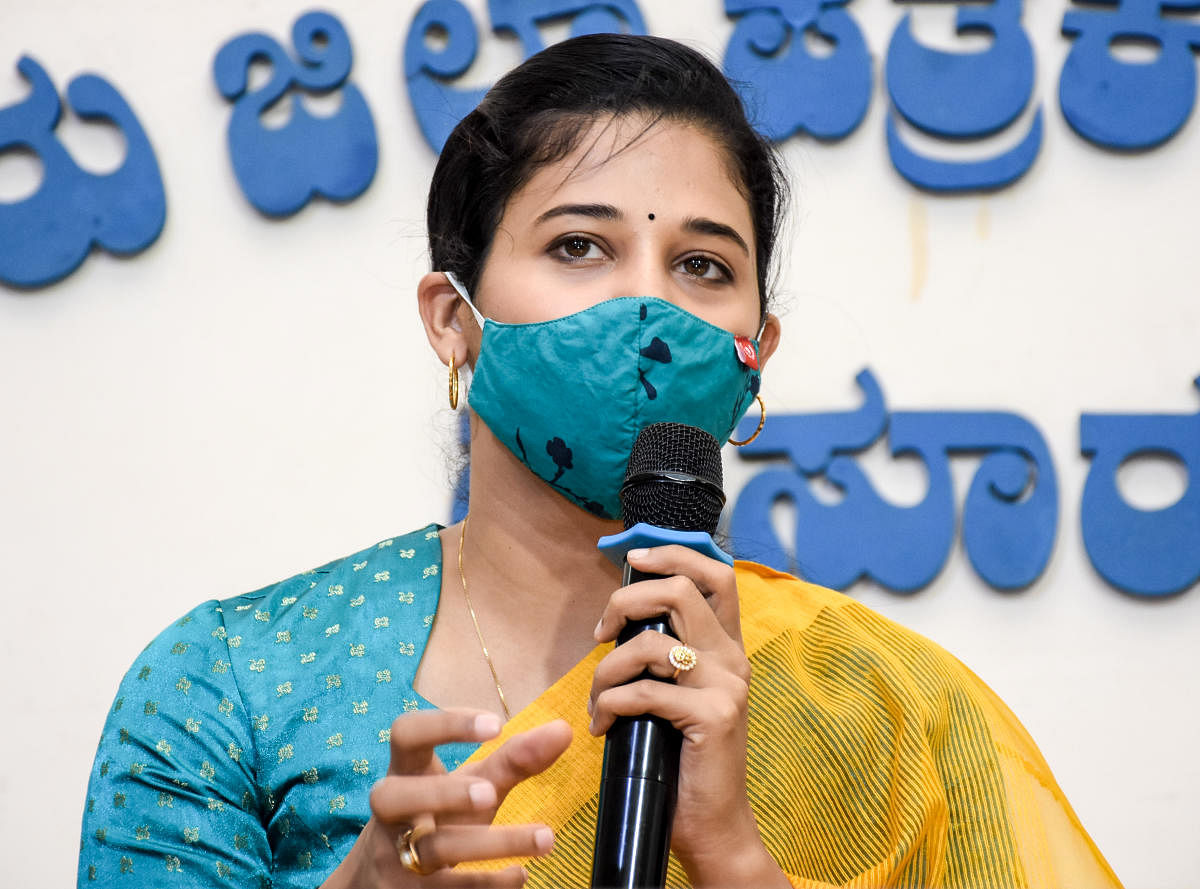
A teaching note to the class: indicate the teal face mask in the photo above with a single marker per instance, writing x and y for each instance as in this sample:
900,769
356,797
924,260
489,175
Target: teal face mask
569,396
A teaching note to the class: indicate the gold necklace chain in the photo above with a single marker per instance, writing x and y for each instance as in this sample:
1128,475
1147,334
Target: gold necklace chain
462,576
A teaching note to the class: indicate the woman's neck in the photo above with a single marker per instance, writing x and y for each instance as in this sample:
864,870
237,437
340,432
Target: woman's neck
537,584
528,545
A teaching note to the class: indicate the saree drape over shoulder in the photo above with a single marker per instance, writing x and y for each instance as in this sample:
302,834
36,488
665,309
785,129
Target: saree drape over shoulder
875,759
245,739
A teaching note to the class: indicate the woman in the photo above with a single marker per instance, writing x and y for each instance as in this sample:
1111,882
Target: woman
602,230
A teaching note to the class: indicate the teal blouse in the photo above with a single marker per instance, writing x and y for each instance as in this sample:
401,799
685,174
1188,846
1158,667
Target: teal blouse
244,741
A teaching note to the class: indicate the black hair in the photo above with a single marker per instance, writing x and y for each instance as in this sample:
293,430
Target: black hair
538,112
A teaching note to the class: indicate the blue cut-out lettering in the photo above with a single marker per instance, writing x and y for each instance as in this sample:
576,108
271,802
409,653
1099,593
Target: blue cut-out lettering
522,18
281,170
437,105
45,237
1009,520
956,176
785,88
1152,552
431,64
963,96
1129,105
1010,516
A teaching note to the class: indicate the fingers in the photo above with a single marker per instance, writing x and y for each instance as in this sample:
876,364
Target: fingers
446,818
399,799
700,713
648,651
455,844
417,785
415,734
710,576
699,595
509,878
522,756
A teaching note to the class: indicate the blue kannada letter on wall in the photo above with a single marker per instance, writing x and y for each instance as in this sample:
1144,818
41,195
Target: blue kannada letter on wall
443,40
1009,521
280,170
785,88
46,236
1010,517
964,96
1129,105
1144,552
522,17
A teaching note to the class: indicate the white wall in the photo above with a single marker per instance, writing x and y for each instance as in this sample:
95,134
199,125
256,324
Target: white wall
249,398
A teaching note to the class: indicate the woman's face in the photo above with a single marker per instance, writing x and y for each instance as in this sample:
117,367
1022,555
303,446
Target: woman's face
656,216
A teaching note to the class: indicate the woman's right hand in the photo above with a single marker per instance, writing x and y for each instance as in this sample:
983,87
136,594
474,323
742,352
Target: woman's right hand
451,812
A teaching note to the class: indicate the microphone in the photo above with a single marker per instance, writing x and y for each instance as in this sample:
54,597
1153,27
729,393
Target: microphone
671,494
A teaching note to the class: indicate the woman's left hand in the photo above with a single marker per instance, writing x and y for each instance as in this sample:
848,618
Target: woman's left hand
715,834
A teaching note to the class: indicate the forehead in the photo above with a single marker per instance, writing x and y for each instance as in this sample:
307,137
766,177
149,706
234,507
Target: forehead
633,163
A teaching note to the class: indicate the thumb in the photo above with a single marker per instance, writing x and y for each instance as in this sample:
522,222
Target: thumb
524,755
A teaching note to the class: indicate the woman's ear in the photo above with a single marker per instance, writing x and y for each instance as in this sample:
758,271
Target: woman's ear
768,341
440,305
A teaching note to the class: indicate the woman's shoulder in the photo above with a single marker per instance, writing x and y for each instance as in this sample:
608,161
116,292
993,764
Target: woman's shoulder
393,568
826,626
778,601
853,704
774,602
391,584
841,659
776,598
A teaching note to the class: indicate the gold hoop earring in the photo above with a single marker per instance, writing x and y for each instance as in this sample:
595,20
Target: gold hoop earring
762,421
453,385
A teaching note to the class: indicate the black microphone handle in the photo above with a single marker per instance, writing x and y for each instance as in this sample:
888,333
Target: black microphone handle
638,786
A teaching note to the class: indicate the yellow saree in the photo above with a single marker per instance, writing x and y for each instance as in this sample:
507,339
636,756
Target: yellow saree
875,759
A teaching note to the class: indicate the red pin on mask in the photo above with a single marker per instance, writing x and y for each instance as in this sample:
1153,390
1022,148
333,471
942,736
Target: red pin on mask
747,352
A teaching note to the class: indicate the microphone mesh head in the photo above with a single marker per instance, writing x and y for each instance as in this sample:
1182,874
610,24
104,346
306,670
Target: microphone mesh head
650,495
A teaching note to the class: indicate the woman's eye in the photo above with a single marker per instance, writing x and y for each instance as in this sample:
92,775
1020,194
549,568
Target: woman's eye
577,248
703,267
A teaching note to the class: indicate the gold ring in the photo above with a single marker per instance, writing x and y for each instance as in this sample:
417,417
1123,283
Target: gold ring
682,658
406,848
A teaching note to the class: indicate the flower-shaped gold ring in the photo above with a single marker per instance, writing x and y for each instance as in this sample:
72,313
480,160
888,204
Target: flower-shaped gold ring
682,658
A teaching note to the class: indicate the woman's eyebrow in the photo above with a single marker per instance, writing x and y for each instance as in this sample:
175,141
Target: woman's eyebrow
702,226
607,212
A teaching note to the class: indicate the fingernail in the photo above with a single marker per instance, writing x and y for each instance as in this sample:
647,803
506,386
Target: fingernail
637,553
483,794
544,839
589,706
596,632
487,725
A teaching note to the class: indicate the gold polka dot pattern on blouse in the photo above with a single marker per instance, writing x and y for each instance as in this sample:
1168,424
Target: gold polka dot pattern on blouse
253,734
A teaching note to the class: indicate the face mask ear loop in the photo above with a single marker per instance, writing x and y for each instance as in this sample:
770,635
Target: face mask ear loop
462,291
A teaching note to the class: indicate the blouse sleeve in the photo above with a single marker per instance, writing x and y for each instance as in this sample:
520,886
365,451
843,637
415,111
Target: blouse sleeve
172,800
